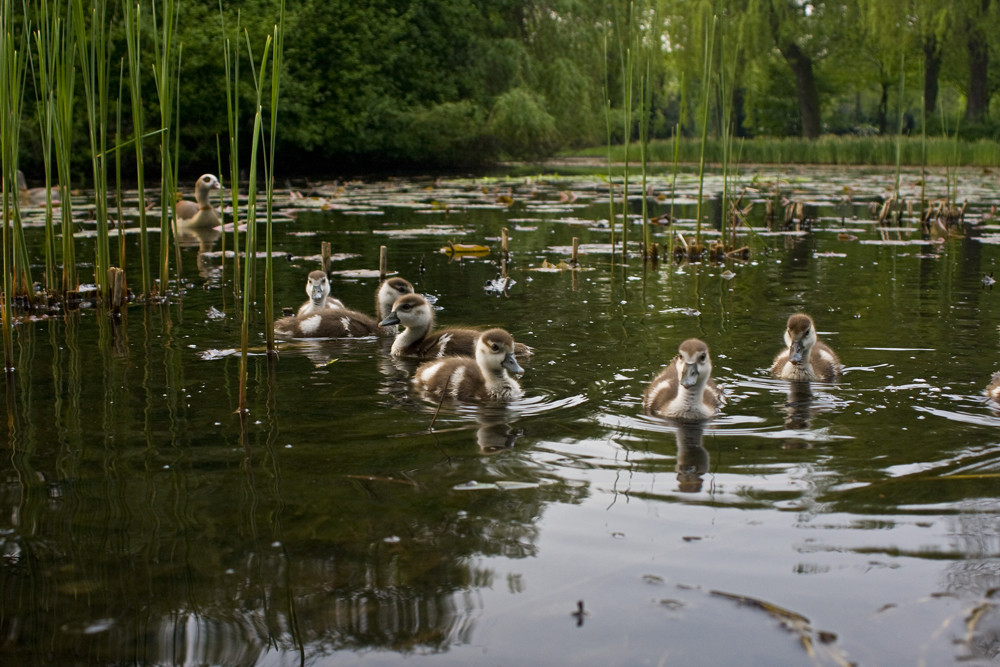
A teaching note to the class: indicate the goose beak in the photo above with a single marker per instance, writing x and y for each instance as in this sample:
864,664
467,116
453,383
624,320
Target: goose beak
795,352
510,363
689,377
390,319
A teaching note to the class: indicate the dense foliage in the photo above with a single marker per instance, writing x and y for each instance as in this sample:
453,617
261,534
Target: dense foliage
399,83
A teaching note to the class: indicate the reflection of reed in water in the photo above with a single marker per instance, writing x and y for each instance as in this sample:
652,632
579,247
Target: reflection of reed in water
692,457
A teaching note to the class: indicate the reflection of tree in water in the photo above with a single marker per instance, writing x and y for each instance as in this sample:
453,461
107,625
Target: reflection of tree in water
177,563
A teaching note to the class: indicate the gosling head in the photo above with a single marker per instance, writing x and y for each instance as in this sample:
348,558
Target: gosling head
800,336
318,287
693,363
410,310
495,352
389,291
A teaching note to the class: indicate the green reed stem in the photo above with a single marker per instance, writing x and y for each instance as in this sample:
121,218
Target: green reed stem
705,98
276,64
611,176
12,78
164,74
899,117
249,275
92,43
133,32
232,65
46,57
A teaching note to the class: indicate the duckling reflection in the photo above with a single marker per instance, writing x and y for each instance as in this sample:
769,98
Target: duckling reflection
494,437
799,409
692,457
204,238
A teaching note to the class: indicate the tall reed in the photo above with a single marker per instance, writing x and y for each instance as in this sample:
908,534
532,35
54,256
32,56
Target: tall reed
276,66
611,178
92,45
231,59
46,56
705,105
250,272
133,31
61,109
12,80
899,124
165,75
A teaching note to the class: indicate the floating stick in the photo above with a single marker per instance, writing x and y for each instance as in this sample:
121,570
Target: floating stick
574,258
324,251
383,262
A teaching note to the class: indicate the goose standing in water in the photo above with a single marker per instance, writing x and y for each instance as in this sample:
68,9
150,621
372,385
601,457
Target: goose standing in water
341,322
200,213
318,289
417,339
684,390
487,378
806,359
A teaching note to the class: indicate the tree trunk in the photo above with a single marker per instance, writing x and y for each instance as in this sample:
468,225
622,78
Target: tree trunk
883,108
977,100
805,84
932,67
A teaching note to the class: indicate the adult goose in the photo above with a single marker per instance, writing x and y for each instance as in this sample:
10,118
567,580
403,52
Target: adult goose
684,389
806,358
487,378
200,213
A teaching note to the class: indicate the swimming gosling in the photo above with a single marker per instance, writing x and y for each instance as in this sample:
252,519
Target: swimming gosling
487,378
993,388
806,358
684,389
417,338
342,322
318,289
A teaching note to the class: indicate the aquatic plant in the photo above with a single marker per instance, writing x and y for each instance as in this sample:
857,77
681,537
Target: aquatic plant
133,31
92,46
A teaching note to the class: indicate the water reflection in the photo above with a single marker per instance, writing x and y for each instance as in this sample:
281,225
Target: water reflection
692,457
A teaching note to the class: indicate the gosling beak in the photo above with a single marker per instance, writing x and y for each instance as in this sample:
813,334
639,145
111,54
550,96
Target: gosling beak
317,293
689,377
510,363
795,352
390,319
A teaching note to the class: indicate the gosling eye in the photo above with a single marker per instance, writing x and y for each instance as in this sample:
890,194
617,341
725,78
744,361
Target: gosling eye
495,347
702,358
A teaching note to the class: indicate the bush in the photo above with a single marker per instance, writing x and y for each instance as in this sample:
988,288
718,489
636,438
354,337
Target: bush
521,127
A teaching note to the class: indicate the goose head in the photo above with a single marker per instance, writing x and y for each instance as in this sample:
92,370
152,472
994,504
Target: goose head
495,352
800,337
318,287
203,189
694,365
412,311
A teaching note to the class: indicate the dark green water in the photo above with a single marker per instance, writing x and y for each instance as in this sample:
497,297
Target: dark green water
140,523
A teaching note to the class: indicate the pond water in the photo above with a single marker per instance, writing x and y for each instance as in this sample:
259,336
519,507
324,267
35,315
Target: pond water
854,522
